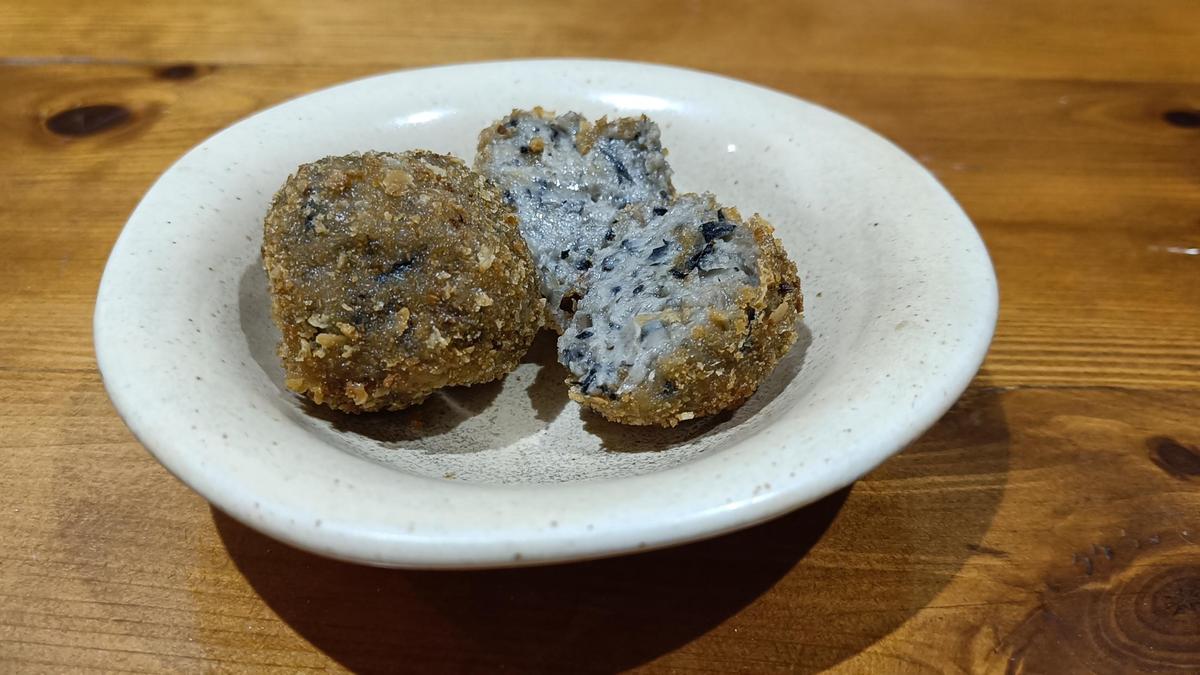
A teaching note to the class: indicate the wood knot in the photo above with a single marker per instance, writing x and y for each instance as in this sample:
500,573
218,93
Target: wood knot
1176,600
1131,610
87,120
1158,616
1173,457
179,71
1187,119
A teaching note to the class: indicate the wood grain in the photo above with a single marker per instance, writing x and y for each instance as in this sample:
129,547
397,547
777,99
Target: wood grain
1153,40
1047,524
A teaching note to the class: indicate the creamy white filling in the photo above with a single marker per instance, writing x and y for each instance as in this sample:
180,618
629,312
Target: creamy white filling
567,201
650,286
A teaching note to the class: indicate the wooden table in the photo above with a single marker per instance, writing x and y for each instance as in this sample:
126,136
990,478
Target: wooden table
1049,523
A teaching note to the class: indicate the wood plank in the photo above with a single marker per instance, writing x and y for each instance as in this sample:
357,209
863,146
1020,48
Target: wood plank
1156,39
1026,523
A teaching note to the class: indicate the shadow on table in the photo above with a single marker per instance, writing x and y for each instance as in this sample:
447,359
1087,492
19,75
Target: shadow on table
601,615
846,572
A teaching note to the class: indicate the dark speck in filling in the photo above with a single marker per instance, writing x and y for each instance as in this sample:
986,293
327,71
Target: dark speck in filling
660,211
721,215
583,264
564,254
524,149
508,196
584,334
567,304
785,288
512,123
750,313
587,381
639,288
663,194
609,263
610,235
616,289
716,229
668,388
692,262
553,134
658,253
619,166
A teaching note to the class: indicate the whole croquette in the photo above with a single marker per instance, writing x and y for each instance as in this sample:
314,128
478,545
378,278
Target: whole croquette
684,313
568,178
393,275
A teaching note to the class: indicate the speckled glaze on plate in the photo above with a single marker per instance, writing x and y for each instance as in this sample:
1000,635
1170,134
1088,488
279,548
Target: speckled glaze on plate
900,301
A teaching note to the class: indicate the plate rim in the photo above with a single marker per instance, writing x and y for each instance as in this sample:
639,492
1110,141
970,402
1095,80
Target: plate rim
447,552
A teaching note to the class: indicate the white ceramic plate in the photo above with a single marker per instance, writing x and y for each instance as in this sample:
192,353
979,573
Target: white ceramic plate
900,306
